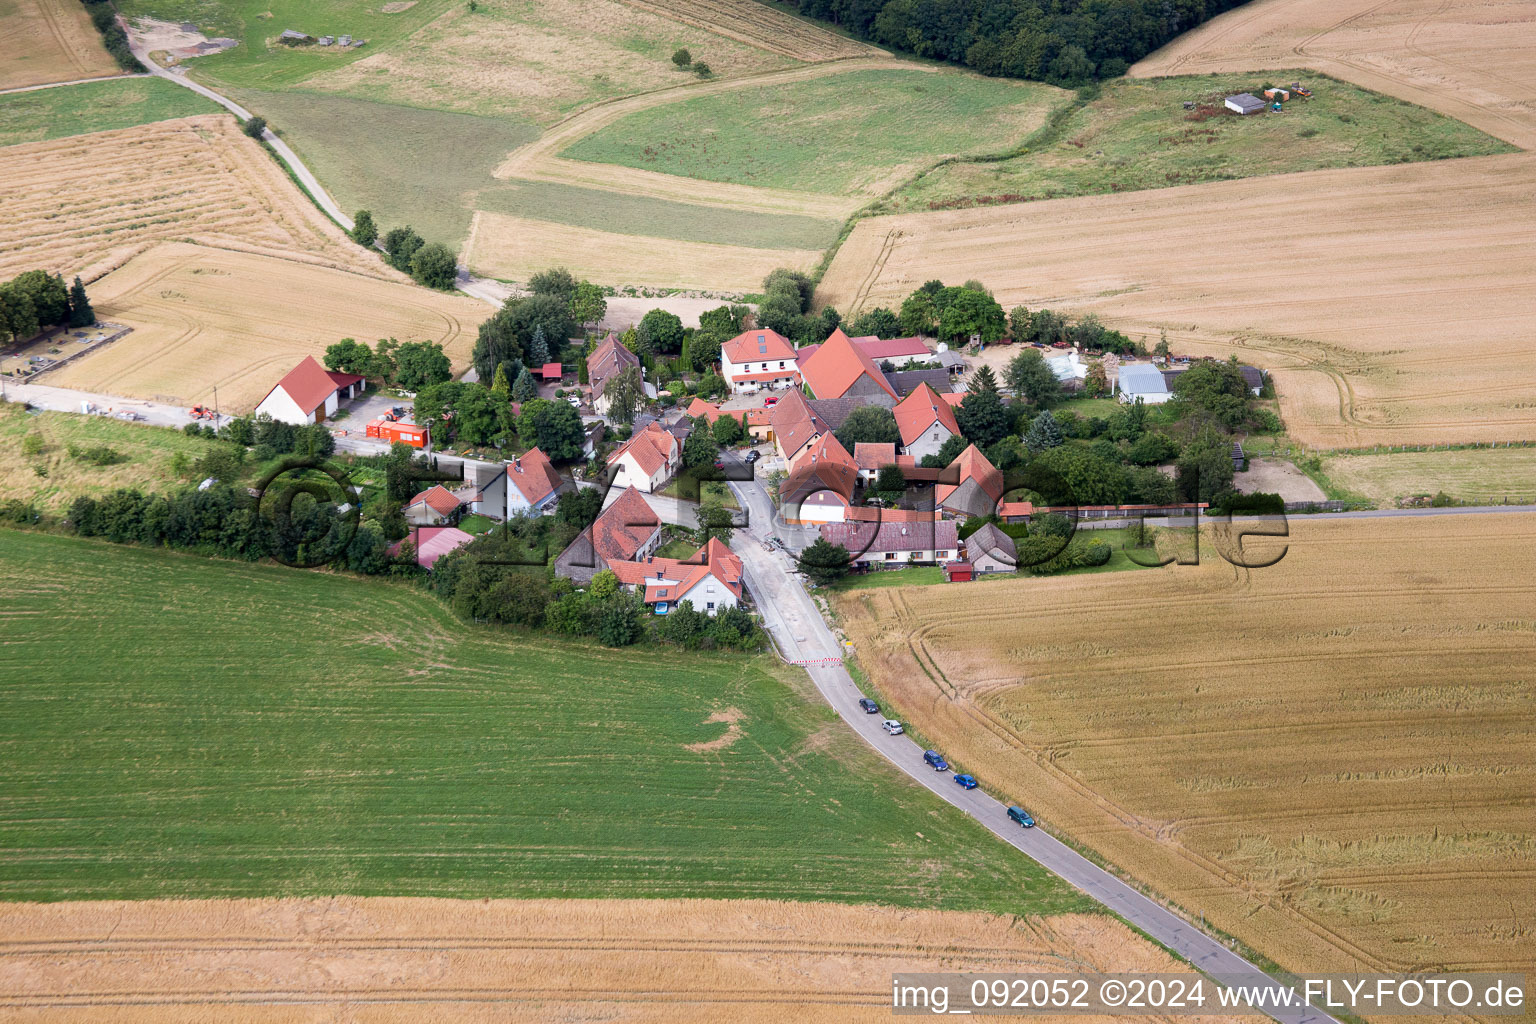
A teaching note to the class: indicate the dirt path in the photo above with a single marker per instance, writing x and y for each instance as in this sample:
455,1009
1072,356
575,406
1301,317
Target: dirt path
77,81
539,160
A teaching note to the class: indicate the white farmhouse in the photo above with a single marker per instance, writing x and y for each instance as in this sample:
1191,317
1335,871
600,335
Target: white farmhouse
757,359
647,460
309,393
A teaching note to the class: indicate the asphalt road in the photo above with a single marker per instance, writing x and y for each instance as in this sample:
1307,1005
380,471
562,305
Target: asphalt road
803,637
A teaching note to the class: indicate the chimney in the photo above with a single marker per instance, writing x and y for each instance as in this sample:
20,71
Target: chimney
517,463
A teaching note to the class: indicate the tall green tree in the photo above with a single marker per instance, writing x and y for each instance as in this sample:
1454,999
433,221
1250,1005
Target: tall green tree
499,386
983,380
868,424
538,347
824,562
588,305
364,231
918,314
400,247
435,266
972,313
1028,376
880,322
1044,433
625,391
80,312
1205,467
661,332
554,427
983,418
419,364
525,388
700,450
556,281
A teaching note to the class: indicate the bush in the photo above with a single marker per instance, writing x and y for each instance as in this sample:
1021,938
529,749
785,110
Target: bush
104,17
254,127
682,58
97,455
701,69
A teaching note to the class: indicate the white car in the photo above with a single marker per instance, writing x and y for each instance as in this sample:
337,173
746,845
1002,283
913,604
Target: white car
892,726
575,400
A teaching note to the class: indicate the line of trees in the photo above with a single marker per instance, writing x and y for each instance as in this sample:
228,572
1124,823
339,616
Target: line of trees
35,300
1064,42
104,17
413,365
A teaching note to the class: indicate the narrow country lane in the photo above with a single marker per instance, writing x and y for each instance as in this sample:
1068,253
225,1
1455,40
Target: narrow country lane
803,638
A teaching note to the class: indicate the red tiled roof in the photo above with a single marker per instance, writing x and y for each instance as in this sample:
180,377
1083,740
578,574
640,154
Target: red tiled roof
919,411
894,535
550,371
623,527
893,348
309,384
652,448
757,346
1015,508
670,579
608,358
438,498
871,514
698,407
533,475
872,456
824,466
953,399
972,466
794,423
432,543
838,364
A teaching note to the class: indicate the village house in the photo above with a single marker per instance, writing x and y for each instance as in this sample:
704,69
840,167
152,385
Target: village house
432,543
795,425
840,369
758,359
871,457
894,544
528,485
647,460
309,393
759,421
1143,381
989,549
926,421
820,485
608,359
710,579
626,531
432,507
970,485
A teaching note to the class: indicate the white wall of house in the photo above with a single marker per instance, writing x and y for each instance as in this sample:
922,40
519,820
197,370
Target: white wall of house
628,473
933,437
710,596
896,558
422,514
1154,398
280,407
788,370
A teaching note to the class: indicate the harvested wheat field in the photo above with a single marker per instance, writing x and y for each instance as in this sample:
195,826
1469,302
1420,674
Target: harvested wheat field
425,960
515,248
1329,758
86,204
1472,59
49,41
1392,304
759,25
204,317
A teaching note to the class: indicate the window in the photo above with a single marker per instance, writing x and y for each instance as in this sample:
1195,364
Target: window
781,364
711,606
890,556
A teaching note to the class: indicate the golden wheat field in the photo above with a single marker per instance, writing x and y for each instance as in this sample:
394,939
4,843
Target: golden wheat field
434,960
49,41
204,317
1392,304
1329,758
1472,59
86,204
759,25
515,248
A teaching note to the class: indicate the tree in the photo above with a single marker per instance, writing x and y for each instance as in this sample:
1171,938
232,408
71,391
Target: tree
625,392
972,313
587,304
869,424
983,418
728,431
1018,323
525,388
1043,433
880,322
604,585
556,281
1216,388
1028,376
47,293
419,364
714,521
660,331
80,312
1096,384
918,314
701,69
538,347
505,337
948,452
711,385
349,356
254,126
828,321
580,507
18,315
700,450
716,327
824,562
1205,467
620,620
891,480
400,245
435,266
553,427
1162,351
983,380
499,386
682,58
364,231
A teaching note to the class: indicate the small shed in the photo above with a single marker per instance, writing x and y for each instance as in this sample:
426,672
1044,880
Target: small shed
1277,94
344,41
1245,103
991,550
550,371
325,40
959,572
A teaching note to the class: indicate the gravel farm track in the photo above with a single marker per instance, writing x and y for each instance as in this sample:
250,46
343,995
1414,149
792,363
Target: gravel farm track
404,961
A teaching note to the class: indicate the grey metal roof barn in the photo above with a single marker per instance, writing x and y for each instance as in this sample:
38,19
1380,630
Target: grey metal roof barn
1245,103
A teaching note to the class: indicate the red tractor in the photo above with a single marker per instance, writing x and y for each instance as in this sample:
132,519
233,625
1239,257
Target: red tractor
202,412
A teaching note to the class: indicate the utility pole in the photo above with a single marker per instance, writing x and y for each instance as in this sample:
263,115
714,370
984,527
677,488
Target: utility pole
215,407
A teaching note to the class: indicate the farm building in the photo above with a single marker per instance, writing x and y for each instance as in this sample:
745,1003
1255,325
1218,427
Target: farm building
895,543
926,421
432,507
991,550
1244,103
1253,377
840,369
1015,511
626,531
959,572
872,457
907,381
609,358
1143,381
528,484
432,543
758,359
710,579
550,371
820,485
795,425
970,485
1068,367
647,459
309,393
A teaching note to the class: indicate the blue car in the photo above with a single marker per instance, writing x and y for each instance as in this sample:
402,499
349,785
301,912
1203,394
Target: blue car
869,706
936,760
1021,816
966,781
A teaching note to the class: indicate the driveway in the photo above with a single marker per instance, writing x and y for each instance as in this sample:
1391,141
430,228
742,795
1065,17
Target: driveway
804,639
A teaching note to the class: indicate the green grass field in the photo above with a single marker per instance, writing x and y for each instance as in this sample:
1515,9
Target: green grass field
1137,135
1476,475
842,133
928,575
184,727
260,62
406,164
656,218
95,107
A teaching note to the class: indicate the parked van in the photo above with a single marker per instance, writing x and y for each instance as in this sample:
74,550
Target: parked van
1021,816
